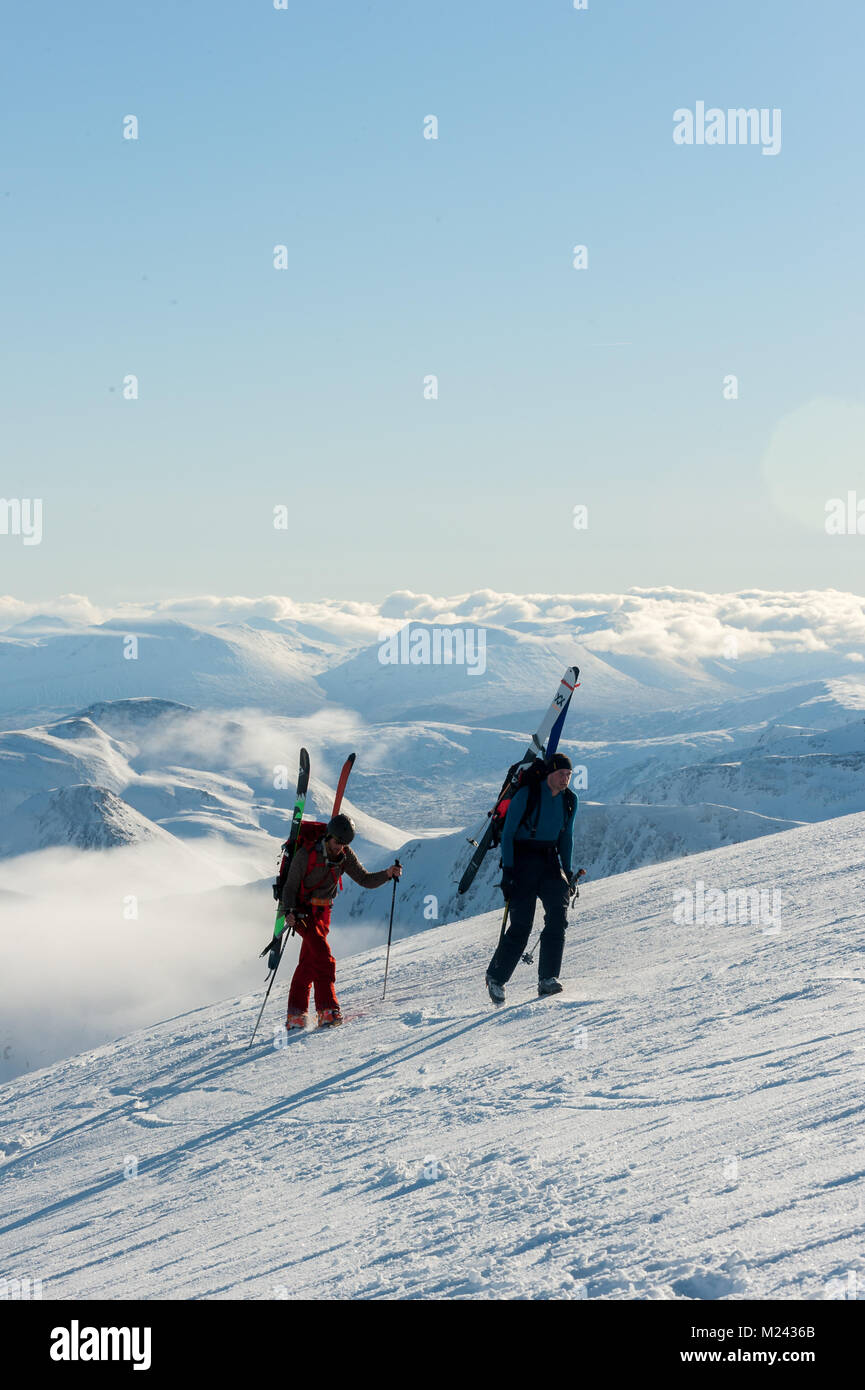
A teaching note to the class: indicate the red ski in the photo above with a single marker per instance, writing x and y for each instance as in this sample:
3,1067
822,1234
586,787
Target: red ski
340,786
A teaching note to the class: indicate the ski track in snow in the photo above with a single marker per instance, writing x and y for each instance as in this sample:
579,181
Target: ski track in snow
683,1122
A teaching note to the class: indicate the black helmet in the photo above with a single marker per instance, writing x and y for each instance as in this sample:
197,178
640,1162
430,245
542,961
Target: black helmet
341,828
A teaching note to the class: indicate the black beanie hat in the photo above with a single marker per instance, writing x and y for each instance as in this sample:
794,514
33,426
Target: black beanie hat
558,761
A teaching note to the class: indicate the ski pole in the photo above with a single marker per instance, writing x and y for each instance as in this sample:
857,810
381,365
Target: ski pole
529,955
389,930
267,995
286,932
504,921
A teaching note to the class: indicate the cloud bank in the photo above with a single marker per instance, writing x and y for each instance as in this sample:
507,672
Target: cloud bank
665,623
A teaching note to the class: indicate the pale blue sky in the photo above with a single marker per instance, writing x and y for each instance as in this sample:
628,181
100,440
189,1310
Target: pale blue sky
408,257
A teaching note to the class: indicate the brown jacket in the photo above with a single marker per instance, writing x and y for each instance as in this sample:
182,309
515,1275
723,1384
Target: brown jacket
318,882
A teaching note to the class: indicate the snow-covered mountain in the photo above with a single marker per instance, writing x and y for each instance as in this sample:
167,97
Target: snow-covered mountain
681,1123
801,775
209,776
223,667
63,754
92,785
819,704
290,666
151,810
497,682
82,817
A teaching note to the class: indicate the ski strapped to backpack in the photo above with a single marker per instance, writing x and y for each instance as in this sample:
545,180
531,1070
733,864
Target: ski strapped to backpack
300,833
310,836
296,821
531,777
544,743
306,835
273,950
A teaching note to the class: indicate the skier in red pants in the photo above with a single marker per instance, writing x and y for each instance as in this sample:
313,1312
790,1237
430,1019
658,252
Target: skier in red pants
312,884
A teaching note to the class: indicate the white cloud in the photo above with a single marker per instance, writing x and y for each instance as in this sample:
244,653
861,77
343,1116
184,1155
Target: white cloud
77,973
662,623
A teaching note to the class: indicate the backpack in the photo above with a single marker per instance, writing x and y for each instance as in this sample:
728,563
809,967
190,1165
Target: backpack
531,775
308,837
532,813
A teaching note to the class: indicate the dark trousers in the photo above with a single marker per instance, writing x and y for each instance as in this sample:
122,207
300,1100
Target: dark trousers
537,874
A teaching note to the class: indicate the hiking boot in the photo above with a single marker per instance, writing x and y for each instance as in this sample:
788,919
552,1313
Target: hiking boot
496,991
550,986
329,1018
295,1021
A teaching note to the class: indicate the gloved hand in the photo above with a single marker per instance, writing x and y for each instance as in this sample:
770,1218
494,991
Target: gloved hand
507,884
574,884
272,950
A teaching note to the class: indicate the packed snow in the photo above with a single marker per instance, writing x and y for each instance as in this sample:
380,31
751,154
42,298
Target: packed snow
684,1122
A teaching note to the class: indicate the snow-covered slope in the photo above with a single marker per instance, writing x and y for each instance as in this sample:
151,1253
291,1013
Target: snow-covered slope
682,1123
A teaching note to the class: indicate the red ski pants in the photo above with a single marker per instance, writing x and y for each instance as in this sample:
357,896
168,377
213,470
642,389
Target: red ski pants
316,966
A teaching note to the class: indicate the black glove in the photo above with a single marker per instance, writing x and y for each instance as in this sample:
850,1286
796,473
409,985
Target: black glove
507,884
272,950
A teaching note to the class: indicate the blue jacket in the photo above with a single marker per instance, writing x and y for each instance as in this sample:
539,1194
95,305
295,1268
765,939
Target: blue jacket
552,825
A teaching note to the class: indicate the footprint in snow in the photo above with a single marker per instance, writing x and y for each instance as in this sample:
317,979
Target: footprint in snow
417,1016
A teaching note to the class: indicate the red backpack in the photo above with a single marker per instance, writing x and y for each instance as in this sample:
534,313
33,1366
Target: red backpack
308,837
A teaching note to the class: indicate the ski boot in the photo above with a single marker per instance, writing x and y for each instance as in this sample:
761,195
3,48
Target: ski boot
496,991
550,986
329,1018
295,1021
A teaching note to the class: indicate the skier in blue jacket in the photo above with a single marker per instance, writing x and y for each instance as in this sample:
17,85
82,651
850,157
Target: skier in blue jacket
537,847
